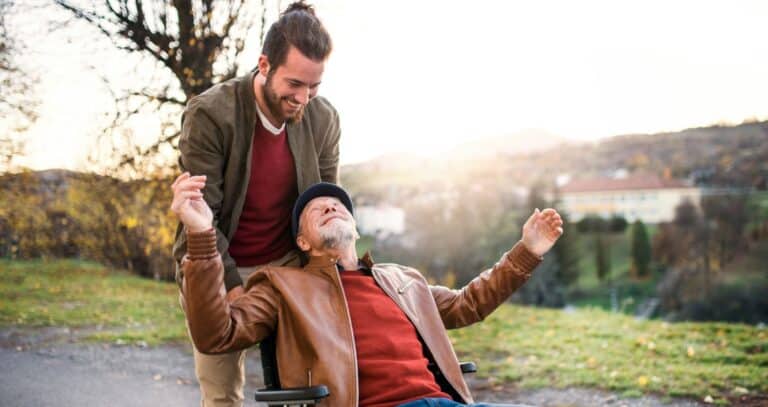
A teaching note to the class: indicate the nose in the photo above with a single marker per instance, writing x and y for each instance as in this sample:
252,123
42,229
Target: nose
303,96
331,208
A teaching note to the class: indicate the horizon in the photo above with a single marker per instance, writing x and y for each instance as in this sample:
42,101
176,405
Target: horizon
455,152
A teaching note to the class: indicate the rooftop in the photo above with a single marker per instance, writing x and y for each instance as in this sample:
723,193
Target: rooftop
630,182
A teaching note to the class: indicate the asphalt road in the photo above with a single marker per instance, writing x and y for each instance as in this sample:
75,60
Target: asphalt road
94,375
51,368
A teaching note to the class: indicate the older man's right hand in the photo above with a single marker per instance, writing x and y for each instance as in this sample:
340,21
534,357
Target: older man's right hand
188,203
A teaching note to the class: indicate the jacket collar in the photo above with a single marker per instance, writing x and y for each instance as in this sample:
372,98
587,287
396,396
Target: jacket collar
367,260
246,90
328,261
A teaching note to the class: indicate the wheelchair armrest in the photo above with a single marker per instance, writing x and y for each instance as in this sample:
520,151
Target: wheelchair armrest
468,367
296,395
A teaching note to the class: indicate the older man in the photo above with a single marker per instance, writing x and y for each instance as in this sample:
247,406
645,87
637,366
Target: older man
367,331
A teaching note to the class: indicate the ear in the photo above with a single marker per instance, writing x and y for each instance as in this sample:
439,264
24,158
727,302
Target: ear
263,64
302,243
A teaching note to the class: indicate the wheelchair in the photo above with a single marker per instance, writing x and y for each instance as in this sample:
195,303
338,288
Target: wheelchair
273,395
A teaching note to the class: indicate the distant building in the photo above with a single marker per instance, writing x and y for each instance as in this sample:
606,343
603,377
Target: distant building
649,198
381,221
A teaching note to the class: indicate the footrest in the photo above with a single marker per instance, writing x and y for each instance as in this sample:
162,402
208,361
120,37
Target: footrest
468,367
296,395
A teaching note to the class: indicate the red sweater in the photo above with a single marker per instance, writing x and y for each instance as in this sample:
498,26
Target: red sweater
264,230
392,368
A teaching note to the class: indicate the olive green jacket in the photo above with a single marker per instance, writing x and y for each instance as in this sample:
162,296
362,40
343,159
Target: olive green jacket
217,130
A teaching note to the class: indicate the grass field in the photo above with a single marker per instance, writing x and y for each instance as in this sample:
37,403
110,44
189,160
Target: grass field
72,293
525,346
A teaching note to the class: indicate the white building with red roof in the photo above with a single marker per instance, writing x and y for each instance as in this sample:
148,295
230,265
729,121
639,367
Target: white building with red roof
649,198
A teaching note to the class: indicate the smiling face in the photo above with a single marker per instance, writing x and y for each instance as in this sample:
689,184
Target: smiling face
290,85
326,224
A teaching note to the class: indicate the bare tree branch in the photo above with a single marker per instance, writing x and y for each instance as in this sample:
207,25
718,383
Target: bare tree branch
17,107
196,43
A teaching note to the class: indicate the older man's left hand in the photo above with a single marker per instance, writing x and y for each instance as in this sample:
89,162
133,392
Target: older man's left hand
542,230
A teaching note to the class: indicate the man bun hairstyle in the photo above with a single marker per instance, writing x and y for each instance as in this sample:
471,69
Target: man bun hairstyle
297,26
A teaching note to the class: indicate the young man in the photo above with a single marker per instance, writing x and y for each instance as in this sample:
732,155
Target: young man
260,139
365,330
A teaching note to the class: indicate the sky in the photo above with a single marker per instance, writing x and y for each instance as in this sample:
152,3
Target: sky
425,76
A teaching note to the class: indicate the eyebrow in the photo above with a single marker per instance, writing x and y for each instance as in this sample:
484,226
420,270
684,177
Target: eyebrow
296,81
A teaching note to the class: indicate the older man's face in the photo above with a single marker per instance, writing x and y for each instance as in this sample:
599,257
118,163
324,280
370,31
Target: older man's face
326,223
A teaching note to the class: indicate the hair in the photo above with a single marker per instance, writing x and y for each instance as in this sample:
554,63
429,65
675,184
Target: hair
297,26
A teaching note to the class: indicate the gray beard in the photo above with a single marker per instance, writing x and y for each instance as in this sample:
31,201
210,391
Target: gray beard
338,235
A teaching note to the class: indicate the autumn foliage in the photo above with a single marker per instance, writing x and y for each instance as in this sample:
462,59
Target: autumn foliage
55,214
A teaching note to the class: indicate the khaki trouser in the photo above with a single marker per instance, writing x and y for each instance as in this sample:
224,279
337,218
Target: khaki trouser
221,377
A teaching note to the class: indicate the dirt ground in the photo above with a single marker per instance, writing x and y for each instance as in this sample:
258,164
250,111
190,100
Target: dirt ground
52,367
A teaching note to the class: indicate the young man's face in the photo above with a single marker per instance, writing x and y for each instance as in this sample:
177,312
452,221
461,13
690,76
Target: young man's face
325,223
290,86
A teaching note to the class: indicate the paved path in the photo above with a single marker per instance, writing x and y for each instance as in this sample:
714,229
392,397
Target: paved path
49,368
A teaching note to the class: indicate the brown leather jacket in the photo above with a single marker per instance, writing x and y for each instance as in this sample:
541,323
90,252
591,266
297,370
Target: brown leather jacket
307,307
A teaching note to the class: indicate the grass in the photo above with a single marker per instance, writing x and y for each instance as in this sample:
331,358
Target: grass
527,347
590,347
80,294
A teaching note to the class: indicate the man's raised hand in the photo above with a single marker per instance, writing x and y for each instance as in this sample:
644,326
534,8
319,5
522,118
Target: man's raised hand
188,203
542,230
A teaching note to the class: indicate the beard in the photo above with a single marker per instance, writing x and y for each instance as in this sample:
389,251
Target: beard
273,103
338,234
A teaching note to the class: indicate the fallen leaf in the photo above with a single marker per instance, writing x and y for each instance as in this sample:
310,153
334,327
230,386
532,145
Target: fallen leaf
709,399
157,377
691,352
740,390
642,381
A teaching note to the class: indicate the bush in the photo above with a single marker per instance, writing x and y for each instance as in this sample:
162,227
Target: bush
747,304
59,214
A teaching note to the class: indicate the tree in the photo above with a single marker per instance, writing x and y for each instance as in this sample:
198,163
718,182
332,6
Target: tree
617,224
602,258
193,45
560,267
729,215
17,107
640,251
592,224
567,251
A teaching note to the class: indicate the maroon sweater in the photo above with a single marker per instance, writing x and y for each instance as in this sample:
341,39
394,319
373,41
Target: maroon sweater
264,230
391,365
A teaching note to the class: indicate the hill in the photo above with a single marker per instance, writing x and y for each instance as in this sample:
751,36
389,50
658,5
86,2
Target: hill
735,156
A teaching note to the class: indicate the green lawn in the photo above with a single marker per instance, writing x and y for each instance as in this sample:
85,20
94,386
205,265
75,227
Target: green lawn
527,347
73,293
590,347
